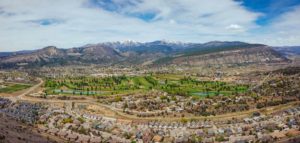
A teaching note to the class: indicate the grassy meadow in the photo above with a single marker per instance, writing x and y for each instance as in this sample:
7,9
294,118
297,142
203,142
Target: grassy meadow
173,84
10,88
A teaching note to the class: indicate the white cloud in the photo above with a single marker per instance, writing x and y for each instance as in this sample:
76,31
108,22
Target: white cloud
283,31
235,27
75,23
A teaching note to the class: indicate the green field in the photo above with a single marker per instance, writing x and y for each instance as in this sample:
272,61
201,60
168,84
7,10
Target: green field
13,88
173,84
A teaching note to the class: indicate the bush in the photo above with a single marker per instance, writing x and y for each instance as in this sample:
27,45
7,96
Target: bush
221,139
67,120
82,131
260,105
163,97
81,119
118,99
184,120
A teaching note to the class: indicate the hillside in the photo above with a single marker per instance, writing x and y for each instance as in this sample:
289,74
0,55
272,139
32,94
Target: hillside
155,53
237,54
51,56
289,51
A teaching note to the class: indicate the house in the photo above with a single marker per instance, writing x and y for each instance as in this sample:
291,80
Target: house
220,131
248,120
208,140
109,119
139,135
42,129
257,118
105,135
210,132
199,132
43,118
180,140
77,122
95,140
293,132
265,138
250,138
157,138
86,125
72,137
83,139
53,131
100,127
239,130
62,134
147,136
118,139
277,135
228,131
69,125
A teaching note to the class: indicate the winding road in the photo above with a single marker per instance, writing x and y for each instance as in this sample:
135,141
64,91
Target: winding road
31,89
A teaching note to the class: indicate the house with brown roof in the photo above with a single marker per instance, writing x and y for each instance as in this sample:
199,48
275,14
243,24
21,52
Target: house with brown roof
83,139
42,129
95,140
72,137
62,134
157,138
53,131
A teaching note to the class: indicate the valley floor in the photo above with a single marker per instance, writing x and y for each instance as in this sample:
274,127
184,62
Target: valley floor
90,119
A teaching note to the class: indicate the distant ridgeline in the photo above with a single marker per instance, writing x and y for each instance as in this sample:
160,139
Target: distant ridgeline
155,53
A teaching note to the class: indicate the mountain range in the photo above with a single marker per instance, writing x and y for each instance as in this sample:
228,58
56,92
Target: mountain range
156,53
288,50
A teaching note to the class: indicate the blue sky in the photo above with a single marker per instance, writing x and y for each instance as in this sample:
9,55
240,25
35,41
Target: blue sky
33,24
271,9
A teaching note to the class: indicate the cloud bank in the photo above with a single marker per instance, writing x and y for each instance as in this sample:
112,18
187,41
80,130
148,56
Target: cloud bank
32,24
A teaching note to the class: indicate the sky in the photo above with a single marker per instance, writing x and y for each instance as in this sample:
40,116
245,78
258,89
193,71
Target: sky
34,24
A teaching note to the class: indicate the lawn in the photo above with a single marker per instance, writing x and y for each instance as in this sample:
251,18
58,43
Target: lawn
173,84
13,88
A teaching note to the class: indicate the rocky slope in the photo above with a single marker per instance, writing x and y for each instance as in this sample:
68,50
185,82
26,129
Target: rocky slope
44,54
255,54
